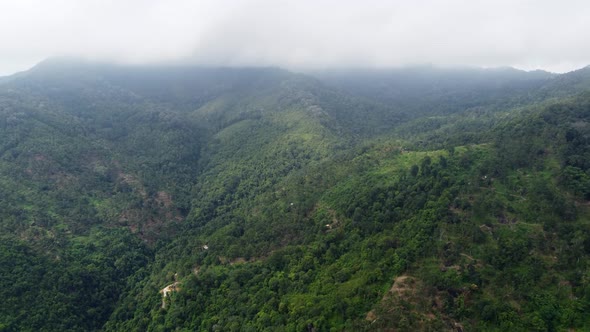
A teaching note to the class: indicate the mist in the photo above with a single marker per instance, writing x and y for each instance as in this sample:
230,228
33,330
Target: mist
299,35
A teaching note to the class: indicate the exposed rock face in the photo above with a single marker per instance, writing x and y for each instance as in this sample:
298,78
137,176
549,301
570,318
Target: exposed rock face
167,290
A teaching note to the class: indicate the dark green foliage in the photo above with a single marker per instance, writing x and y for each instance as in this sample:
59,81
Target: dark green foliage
76,290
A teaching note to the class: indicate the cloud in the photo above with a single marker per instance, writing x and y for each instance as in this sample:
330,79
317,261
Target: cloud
300,34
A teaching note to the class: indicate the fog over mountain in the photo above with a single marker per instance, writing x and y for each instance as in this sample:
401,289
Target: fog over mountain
294,166
299,35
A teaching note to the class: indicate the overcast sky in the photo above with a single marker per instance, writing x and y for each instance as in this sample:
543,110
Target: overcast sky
299,34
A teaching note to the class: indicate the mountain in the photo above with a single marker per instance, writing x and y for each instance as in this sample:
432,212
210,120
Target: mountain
423,91
191,198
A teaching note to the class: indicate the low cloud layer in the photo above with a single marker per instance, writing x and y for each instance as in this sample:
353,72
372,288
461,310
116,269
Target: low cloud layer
299,34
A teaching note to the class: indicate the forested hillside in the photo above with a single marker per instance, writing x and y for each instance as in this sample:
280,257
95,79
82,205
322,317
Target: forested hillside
227,199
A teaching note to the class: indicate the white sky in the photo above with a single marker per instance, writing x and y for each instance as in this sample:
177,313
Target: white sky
299,34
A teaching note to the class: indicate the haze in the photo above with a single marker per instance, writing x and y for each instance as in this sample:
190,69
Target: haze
297,35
